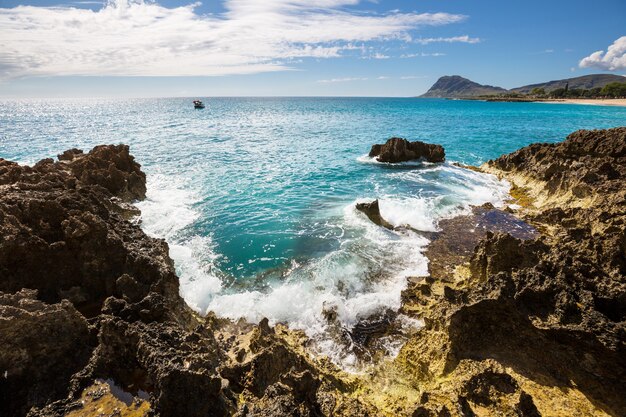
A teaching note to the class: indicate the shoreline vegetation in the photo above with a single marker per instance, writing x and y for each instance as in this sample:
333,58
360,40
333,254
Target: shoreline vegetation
612,94
620,102
598,89
523,316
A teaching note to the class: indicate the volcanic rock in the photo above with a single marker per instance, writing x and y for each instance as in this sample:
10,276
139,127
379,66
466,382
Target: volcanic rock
548,311
372,211
64,236
401,150
535,325
41,346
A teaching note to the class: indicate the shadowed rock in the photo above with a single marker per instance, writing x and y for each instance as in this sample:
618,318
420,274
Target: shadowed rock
401,150
372,211
65,230
41,346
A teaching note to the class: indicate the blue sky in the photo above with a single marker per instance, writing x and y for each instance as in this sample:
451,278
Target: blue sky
297,47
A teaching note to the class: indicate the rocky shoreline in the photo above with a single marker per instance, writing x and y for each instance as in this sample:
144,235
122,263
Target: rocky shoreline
529,324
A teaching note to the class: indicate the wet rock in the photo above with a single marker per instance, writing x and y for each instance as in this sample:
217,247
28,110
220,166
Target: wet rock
452,247
372,211
401,150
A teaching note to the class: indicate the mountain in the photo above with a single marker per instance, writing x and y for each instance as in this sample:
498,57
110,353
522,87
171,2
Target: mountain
454,86
586,82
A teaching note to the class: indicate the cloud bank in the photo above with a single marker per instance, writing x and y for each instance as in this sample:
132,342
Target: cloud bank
381,77
613,60
137,38
453,39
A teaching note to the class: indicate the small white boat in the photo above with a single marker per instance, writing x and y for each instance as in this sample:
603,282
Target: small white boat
197,104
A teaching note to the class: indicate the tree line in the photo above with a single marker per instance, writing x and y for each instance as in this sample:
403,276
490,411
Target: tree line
611,90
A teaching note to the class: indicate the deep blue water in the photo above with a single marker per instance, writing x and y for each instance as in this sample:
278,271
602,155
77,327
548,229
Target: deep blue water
256,195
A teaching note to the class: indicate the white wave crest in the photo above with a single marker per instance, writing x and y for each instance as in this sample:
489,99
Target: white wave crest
165,213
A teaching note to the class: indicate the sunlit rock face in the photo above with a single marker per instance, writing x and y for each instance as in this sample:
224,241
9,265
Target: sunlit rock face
401,150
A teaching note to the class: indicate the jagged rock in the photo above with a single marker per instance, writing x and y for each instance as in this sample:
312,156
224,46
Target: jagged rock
372,211
533,319
401,150
111,167
41,346
63,234
588,165
500,252
70,154
550,309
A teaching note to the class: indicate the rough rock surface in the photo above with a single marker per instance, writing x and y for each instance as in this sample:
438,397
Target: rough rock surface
372,211
451,248
401,150
38,342
546,315
86,297
65,235
585,170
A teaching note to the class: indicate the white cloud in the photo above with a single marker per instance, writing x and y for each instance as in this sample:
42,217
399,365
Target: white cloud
614,59
342,80
133,37
381,77
453,39
422,54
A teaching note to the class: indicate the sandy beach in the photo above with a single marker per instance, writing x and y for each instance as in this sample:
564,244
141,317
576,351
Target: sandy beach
593,102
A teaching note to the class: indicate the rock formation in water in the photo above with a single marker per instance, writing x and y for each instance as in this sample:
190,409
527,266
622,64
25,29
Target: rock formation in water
401,150
372,211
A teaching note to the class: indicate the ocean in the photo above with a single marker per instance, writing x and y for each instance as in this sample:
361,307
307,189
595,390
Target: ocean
256,196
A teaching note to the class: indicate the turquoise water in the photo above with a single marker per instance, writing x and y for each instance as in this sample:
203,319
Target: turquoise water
256,195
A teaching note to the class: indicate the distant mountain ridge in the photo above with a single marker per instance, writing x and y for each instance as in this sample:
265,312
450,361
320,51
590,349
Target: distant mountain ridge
586,82
455,86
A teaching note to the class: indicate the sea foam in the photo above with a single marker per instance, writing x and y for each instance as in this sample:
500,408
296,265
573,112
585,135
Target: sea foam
364,276
165,213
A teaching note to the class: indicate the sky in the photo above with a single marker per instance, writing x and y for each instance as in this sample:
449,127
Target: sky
181,48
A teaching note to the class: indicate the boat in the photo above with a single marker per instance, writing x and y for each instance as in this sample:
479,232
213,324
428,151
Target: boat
197,104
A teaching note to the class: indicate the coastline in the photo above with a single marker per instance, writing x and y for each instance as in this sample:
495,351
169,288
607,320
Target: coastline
613,102
620,102
506,322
